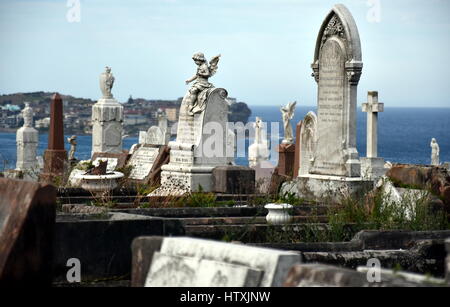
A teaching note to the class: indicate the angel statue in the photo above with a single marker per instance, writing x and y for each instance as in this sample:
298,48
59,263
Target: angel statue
287,113
106,83
196,97
73,146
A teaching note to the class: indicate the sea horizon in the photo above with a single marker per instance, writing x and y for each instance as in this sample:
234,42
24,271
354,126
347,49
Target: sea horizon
400,137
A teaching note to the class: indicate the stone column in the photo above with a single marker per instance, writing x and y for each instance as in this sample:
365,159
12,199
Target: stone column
27,139
107,119
286,159
55,157
372,165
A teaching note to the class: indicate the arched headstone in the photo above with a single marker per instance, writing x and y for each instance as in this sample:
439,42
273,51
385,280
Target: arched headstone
337,68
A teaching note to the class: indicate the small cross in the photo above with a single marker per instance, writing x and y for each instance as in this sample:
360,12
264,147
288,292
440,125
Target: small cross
372,107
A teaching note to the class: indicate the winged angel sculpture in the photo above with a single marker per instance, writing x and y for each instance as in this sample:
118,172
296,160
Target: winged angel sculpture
196,97
287,113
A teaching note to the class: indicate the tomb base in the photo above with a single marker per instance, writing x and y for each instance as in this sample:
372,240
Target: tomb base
326,188
179,180
372,168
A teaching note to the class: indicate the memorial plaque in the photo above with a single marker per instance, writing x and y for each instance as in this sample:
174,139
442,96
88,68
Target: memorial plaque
142,162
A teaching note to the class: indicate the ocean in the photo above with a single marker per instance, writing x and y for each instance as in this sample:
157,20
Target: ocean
404,135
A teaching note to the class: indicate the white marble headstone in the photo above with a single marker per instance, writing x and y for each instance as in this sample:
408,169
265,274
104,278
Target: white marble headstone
337,69
274,264
179,271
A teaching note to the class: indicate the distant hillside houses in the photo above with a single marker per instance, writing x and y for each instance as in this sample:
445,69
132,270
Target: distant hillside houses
139,113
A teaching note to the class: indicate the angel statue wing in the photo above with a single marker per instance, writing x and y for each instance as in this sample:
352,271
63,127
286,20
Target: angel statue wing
213,64
291,109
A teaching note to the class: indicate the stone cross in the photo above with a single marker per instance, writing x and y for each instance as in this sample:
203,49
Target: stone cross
372,107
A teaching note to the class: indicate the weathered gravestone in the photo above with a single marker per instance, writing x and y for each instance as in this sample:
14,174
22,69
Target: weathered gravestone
182,261
146,162
335,168
308,143
179,271
27,221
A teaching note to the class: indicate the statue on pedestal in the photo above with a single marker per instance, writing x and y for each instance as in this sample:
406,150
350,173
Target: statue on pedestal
196,97
287,113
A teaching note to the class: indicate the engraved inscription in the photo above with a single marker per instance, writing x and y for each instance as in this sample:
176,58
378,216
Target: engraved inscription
330,159
142,162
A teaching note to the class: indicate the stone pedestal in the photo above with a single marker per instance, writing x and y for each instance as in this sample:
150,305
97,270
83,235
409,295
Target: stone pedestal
326,188
286,159
234,180
372,168
55,162
107,126
27,139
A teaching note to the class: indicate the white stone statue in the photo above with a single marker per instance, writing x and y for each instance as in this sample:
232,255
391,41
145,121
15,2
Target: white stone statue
106,83
287,113
434,152
198,93
258,126
27,140
258,151
73,146
27,114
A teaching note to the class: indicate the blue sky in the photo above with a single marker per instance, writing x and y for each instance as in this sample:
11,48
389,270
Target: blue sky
267,47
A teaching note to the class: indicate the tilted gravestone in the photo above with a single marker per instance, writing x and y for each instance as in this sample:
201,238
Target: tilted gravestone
27,222
182,261
146,162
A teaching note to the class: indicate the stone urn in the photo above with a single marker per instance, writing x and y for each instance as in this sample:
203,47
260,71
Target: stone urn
99,184
279,214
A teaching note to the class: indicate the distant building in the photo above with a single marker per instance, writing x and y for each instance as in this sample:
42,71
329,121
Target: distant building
42,123
172,114
131,119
